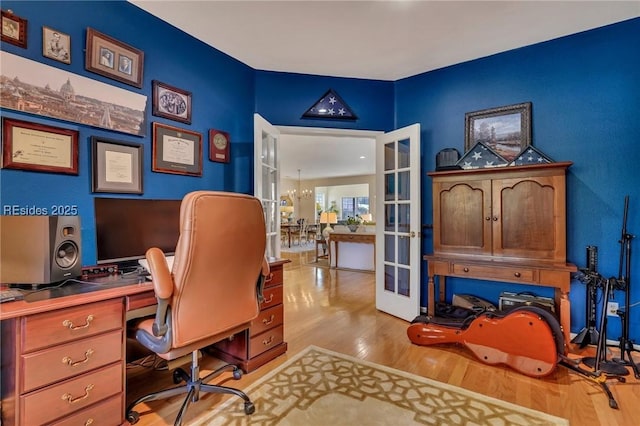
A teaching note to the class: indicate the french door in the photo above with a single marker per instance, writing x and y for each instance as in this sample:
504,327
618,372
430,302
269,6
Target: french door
267,179
398,227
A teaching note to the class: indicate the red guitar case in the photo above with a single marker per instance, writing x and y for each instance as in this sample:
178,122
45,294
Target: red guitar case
527,338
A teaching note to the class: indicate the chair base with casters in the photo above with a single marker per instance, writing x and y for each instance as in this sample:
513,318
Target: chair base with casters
194,385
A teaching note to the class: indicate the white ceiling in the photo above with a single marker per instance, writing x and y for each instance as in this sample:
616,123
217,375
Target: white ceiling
383,40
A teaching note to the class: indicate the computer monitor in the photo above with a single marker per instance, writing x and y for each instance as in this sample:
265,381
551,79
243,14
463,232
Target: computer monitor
127,227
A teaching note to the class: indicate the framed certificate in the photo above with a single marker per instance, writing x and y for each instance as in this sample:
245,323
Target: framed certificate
116,166
37,147
219,145
176,150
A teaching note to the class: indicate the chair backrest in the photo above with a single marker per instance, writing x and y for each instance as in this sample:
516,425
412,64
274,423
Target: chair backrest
218,261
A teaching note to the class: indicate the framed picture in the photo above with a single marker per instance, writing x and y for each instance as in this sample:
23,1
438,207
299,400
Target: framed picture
56,45
116,166
219,146
171,102
37,147
506,130
14,29
176,151
114,59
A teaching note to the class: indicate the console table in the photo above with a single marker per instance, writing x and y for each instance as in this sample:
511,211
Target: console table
350,237
504,224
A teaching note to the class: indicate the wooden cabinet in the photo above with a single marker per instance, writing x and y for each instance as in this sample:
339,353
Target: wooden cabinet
504,224
264,340
64,366
514,212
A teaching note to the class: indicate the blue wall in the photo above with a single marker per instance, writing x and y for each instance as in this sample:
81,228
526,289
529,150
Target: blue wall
223,98
584,90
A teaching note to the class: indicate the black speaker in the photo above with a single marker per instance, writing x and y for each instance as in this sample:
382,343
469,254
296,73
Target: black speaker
38,250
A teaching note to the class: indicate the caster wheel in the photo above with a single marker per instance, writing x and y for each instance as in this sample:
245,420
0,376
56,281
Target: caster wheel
237,374
177,377
133,417
249,408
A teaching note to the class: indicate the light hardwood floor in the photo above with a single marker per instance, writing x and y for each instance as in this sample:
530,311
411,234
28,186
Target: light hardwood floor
335,309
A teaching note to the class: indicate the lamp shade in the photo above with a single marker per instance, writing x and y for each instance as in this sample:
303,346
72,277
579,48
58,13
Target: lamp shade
328,217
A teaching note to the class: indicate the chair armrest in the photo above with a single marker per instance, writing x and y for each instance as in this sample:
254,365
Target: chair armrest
163,288
264,274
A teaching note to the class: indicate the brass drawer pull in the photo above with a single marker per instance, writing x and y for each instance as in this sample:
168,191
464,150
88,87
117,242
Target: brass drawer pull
269,300
269,278
517,275
268,321
88,422
70,326
465,269
268,342
67,360
71,400
487,218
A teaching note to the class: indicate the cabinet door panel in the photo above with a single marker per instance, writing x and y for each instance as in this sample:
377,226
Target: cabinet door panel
462,217
526,218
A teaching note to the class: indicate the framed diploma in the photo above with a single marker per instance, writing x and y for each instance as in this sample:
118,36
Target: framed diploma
219,144
176,151
37,147
116,166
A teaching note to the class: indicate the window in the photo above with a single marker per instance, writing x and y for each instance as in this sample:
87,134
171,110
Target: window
352,206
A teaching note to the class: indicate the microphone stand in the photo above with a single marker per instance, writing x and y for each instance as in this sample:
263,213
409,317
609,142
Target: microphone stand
626,345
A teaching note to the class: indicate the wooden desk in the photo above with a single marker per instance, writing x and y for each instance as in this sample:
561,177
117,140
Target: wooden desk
538,274
351,237
64,350
63,358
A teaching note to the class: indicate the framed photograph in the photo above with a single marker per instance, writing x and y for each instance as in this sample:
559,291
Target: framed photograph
14,29
171,102
176,151
37,147
116,166
506,130
56,45
114,59
219,146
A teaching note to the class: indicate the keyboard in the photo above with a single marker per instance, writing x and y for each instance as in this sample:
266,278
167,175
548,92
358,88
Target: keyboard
10,294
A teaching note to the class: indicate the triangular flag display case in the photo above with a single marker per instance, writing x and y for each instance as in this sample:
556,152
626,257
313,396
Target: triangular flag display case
481,156
530,155
330,106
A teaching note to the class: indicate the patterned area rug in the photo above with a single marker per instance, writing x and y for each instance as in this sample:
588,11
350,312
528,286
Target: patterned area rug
318,387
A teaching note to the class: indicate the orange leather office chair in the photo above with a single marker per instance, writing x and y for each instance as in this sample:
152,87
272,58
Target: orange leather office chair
212,291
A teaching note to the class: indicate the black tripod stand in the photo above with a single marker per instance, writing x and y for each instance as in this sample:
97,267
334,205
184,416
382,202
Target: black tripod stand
626,345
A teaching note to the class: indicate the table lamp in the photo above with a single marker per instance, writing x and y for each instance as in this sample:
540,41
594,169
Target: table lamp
328,218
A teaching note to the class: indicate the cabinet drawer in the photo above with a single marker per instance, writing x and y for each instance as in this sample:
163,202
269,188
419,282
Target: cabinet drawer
272,297
276,277
54,402
268,318
71,359
64,325
511,274
265,341
107,413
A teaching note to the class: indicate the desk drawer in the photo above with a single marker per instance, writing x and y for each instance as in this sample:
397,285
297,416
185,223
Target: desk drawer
61,362
64,325
511,274
265,341
272,297
276,277
107,413
268,318
68,397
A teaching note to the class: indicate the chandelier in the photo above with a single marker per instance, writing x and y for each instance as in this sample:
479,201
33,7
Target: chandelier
299,194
